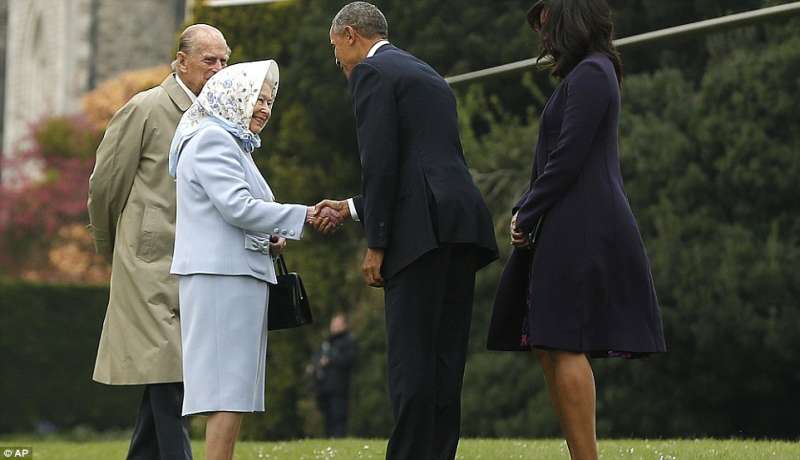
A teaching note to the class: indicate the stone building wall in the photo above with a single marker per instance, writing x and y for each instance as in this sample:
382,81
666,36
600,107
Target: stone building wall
135,34
3,34
57,50
47,55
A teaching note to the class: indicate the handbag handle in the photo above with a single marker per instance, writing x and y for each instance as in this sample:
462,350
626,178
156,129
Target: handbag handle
282,270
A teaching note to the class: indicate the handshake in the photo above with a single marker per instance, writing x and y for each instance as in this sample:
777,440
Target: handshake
327,216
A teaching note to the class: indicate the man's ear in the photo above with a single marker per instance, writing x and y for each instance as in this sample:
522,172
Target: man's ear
180,57
349,34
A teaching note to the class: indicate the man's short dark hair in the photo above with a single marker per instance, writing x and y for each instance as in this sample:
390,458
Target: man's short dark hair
364,17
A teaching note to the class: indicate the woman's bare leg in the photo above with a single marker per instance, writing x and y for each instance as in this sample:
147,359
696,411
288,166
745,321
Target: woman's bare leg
549,378
222,430
570,382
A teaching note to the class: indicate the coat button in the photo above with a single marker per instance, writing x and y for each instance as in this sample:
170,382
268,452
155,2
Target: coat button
285,232
291,233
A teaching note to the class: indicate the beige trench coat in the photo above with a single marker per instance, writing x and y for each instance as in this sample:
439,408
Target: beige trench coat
132,215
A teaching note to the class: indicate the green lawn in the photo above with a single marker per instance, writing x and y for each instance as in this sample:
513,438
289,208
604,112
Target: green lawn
488,449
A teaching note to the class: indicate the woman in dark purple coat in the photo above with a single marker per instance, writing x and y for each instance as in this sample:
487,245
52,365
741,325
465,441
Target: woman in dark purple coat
578,283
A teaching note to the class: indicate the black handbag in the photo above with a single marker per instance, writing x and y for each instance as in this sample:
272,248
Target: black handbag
288,302
508,327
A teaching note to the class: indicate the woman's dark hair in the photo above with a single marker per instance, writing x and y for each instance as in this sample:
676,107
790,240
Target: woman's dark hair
572,29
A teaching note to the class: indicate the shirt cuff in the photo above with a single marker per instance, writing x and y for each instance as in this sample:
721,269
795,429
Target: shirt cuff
353,213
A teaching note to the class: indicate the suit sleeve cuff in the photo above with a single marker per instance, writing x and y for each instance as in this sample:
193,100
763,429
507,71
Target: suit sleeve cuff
102,245
299,214
353,213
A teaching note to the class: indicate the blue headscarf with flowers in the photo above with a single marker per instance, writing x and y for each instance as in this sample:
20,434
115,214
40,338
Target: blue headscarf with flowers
227,100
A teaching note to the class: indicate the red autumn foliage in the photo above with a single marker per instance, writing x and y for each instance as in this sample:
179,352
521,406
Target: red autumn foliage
45,185
44,190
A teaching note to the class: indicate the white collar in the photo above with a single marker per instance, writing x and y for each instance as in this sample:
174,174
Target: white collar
189,92
375,47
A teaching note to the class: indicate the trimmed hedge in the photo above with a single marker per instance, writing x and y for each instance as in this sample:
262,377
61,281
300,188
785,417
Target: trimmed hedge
48,343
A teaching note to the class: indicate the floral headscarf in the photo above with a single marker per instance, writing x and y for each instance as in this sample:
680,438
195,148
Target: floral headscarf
227,100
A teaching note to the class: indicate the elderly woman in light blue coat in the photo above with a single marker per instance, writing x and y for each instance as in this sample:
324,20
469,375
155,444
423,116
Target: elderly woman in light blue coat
228,227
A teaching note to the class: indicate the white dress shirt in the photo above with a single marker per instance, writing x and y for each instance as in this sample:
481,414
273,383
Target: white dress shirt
192,96
371,53
375,47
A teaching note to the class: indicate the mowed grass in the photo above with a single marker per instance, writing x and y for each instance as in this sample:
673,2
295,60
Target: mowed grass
469,449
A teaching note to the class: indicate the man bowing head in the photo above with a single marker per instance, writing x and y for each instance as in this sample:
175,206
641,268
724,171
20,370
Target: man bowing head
428,229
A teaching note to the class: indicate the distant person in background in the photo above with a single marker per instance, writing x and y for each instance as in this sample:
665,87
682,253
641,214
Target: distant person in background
132,214
578,283
331,368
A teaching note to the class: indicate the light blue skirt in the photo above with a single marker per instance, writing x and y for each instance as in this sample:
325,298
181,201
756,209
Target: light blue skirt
224,342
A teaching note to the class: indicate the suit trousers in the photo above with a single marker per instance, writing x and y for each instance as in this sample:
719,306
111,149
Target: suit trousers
428,315
160,432
334,410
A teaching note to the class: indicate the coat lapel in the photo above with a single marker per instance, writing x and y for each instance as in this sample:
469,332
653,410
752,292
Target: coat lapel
176,93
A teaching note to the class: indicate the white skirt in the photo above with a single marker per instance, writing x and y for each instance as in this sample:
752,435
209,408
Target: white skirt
224,342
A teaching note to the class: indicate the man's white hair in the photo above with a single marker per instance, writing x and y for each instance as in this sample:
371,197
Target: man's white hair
191,35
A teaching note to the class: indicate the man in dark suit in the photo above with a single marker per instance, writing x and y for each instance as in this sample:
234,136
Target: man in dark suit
428,228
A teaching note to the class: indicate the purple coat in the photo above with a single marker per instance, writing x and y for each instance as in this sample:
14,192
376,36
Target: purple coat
587,285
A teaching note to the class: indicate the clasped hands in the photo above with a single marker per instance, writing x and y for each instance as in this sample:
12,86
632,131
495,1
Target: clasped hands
518,238
327,217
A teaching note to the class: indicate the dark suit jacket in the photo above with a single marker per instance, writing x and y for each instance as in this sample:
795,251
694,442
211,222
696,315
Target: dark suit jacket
416,190
590,287
334,378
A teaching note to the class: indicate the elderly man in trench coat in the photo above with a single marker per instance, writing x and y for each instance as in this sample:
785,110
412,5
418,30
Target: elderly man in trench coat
132,214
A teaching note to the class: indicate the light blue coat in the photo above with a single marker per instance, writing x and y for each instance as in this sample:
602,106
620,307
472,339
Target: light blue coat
226,210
